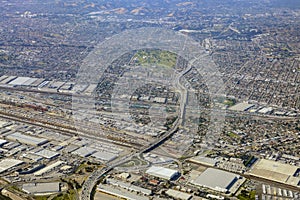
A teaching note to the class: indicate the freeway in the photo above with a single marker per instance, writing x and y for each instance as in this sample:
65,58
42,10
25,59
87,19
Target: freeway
184,93
94,177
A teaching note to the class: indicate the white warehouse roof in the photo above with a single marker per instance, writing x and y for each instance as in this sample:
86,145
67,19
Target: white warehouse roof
162,172
41,188
48,168
84,151
104,155
2,142
19,81
216,179
179,195
47,153
129,186
26,139
7,163
241,106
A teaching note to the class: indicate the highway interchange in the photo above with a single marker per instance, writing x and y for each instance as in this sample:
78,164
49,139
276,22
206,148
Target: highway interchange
92,180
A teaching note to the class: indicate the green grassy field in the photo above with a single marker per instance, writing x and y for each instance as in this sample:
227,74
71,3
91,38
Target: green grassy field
155,57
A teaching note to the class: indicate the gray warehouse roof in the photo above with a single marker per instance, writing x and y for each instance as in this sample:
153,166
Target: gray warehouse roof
26,139
129,186
7,163
40,188
19,81
241,106
178,195
204,160
84,151
47,153
104,155
216,179
120,193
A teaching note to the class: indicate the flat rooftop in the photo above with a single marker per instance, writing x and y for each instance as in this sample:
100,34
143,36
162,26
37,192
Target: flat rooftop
241,106
22,81
204,160
84,151
8,163
48,168
122,193
129,186
26,139
275,171
41,188
104,155
2,142
178,195
162,172
216,179
47,153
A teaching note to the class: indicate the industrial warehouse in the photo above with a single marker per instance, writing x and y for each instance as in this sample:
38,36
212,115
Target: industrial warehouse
162,172
26,139
276,171
36,153
42,188
219,180
7,164
150,100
